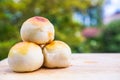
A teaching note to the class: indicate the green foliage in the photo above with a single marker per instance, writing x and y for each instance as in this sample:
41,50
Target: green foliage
59,12
108,41
4,48
8,32
111,37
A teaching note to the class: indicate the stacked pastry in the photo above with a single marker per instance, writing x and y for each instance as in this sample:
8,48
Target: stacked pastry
38,47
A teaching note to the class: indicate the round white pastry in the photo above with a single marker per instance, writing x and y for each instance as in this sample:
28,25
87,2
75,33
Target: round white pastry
38,30
56,55
25,56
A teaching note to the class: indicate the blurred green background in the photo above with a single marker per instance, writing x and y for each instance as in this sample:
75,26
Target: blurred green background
79,23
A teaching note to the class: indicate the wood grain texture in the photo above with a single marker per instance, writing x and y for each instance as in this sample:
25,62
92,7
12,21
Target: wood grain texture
83,67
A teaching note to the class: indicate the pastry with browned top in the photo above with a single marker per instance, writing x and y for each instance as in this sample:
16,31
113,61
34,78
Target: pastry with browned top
25,57
56,55
38,30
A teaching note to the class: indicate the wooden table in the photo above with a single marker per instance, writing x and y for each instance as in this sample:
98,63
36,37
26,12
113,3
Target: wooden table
83,67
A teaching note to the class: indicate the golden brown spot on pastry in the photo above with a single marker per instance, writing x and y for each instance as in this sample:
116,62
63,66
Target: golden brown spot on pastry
21,48
55,44
51,44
